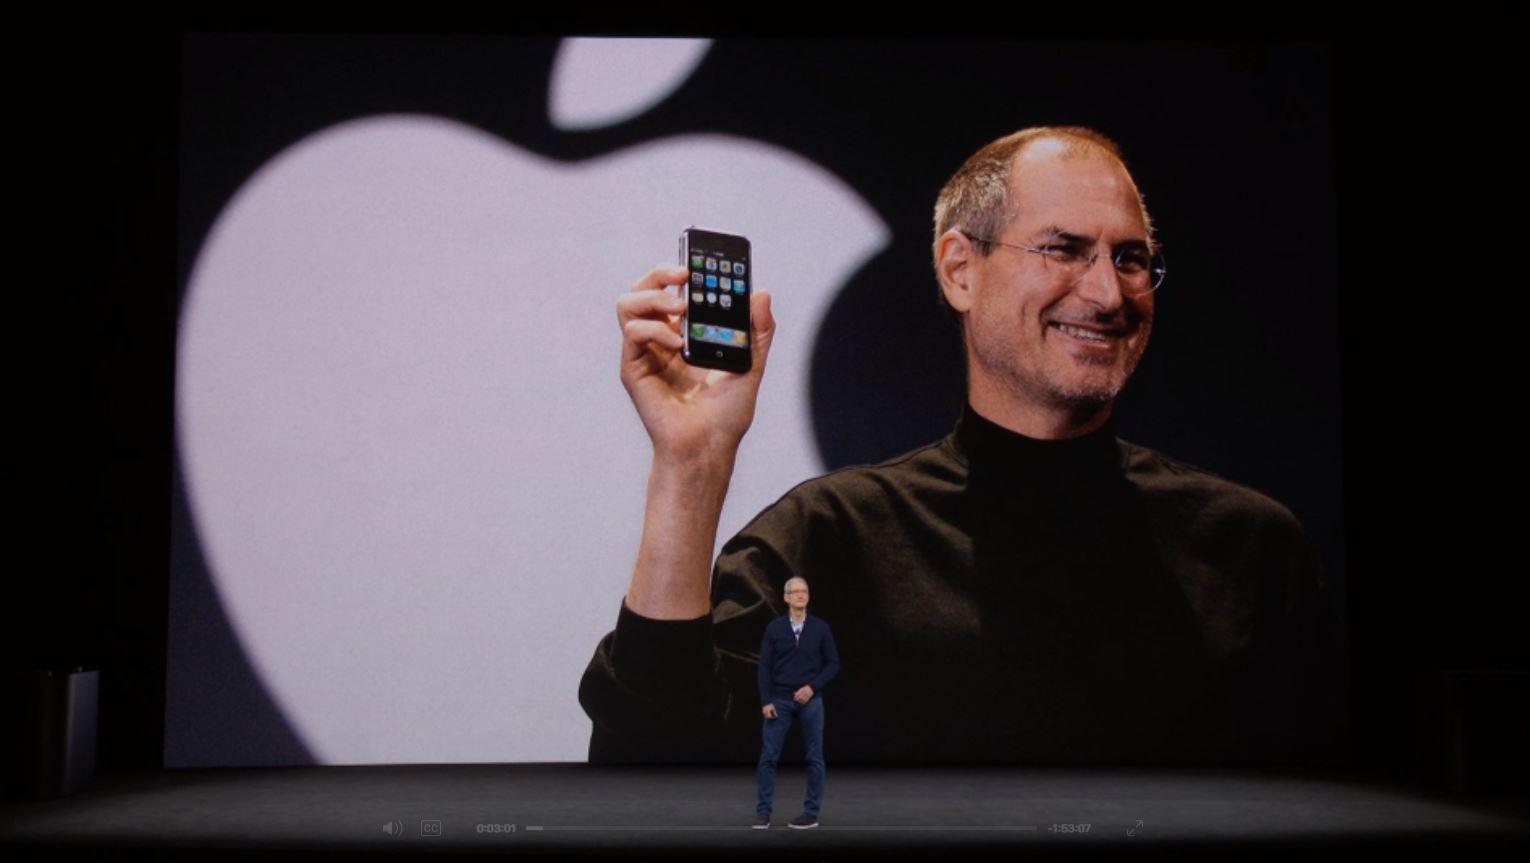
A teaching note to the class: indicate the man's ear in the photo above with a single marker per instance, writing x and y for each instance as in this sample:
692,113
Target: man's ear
955,259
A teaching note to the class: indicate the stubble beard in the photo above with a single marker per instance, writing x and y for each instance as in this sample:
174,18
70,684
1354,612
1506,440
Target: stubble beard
1041,384
1090,393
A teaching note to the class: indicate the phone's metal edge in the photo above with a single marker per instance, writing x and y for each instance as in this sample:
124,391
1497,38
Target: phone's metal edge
685,292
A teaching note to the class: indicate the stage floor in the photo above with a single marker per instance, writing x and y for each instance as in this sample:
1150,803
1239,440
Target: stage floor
450,809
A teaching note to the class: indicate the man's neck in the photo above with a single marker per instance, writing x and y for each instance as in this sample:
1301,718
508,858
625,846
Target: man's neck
1039,421
797,617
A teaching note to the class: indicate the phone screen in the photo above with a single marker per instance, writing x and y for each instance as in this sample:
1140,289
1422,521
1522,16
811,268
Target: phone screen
717,292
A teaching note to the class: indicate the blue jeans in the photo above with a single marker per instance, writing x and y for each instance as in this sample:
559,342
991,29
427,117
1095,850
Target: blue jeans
810,716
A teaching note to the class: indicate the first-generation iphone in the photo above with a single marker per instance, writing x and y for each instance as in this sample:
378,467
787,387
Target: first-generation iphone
721,279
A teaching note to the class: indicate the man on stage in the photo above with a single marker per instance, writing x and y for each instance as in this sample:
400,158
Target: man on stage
797,657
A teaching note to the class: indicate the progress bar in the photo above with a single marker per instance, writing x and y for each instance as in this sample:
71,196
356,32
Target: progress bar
945,828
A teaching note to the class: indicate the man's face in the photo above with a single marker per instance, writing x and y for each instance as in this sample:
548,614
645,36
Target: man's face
1033,330
797,596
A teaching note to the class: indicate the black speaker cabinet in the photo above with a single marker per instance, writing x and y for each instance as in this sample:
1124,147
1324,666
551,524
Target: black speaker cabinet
56,752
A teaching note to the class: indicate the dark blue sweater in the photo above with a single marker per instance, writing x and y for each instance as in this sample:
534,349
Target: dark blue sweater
786,665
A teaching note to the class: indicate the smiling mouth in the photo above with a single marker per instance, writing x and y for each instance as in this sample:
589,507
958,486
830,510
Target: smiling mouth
1104,338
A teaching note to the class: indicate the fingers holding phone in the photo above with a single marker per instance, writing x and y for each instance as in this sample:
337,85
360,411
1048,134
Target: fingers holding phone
650,317
674,347
763,324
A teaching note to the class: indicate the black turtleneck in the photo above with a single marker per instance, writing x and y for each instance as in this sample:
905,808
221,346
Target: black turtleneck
998,598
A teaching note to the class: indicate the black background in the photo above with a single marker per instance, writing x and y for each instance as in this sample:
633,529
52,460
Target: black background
1318,161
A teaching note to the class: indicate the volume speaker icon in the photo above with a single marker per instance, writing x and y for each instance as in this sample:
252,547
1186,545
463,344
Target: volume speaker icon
394,828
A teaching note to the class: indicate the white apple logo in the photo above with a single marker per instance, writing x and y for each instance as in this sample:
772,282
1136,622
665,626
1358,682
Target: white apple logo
413,472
